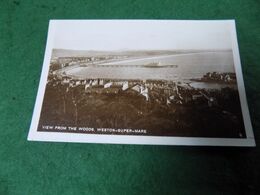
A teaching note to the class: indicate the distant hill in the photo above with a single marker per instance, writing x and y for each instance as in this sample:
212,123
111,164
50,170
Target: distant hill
90,53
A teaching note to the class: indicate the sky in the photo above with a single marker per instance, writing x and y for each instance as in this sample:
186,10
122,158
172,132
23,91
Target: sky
105,35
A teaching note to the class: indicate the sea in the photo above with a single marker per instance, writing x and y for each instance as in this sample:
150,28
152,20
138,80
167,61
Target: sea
189,66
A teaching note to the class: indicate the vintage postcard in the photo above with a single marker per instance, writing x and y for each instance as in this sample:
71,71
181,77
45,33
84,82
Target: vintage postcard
159,82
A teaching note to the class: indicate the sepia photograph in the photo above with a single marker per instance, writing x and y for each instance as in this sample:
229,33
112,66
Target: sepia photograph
142,82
